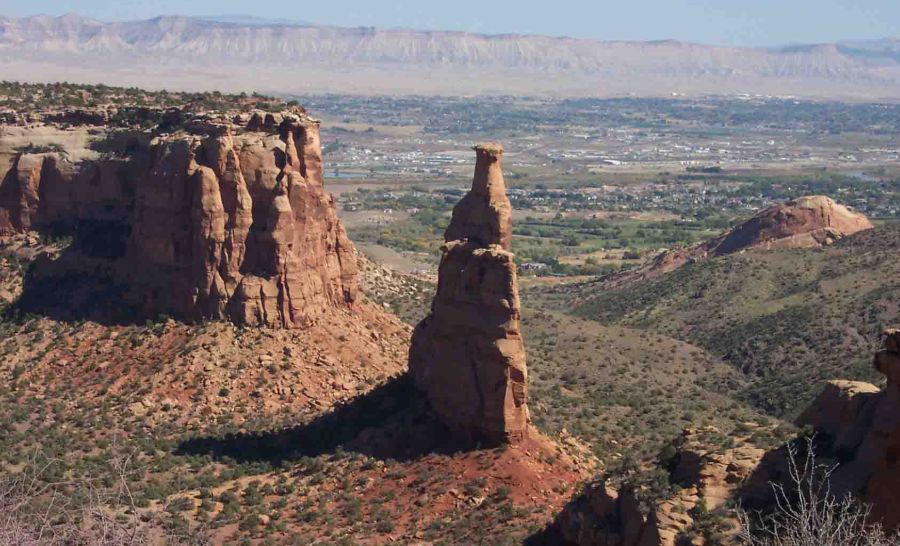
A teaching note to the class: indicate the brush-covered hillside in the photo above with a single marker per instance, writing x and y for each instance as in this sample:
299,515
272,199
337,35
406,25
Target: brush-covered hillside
787,319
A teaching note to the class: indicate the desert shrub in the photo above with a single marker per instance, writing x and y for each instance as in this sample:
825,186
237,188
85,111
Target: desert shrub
38,511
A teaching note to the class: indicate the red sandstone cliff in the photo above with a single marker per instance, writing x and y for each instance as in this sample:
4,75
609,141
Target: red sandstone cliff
468,355
223,221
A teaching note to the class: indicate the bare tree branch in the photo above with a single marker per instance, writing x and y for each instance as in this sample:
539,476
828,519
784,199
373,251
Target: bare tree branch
808,513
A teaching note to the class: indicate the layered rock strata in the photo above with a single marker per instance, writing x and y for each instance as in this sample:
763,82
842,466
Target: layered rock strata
217,222
468,355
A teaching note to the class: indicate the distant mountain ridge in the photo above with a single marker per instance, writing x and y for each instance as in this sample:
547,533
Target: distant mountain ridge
271,55
249,20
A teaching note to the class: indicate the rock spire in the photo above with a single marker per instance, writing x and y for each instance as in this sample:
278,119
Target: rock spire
468,355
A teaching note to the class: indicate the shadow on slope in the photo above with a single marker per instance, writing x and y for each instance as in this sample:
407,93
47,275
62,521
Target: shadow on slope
392,421
82,281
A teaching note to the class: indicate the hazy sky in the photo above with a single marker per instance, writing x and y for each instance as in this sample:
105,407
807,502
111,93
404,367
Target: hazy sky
727,22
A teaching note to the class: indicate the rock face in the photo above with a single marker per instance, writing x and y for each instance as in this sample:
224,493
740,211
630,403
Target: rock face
884,485
34,178
807,222
863,422
839,408
224,222
468,355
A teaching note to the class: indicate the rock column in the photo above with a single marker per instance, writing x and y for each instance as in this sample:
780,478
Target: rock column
468,355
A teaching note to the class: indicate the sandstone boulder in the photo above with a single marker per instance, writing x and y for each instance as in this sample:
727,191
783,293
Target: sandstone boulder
468,355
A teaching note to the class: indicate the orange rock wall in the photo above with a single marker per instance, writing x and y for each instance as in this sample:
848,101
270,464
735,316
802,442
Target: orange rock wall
221,225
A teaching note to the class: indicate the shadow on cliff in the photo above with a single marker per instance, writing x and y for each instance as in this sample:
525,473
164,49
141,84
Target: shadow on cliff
552,535
391,422
593,517
81,281
818,461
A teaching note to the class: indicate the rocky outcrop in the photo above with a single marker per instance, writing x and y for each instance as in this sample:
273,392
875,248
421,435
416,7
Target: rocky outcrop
44,191
468,355
863,423
265,245
807,222
602,515
840,409
19,193
216,222
707,478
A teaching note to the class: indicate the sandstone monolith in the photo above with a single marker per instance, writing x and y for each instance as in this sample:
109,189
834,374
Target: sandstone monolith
468,355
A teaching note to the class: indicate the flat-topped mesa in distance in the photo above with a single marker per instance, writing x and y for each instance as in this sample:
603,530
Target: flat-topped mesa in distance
218,218
468,355
484,215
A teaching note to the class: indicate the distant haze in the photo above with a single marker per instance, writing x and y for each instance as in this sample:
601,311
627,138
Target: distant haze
282,56
760,23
